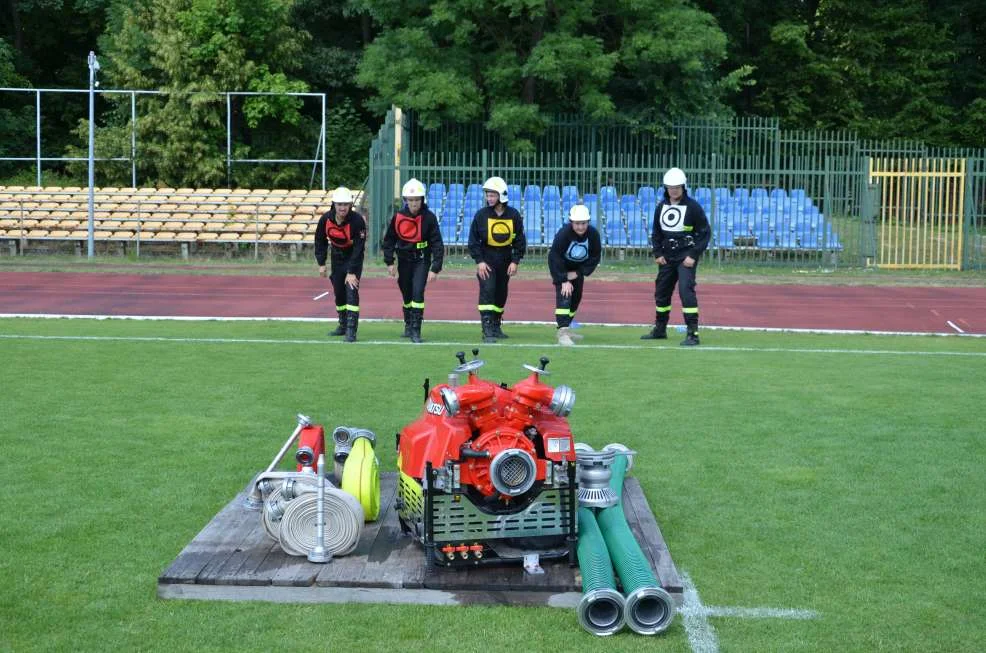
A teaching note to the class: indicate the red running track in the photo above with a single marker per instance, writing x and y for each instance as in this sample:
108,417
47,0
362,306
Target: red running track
850,308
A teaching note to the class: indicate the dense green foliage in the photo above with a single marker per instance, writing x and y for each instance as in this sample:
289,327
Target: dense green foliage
857,495
889,69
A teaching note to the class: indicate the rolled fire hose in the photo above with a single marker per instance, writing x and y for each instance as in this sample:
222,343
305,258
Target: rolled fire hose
272,512
279,494
601,609
343,523
361,477
649,608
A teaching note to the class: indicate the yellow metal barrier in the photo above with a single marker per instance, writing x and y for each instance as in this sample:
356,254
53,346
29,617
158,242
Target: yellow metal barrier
921,212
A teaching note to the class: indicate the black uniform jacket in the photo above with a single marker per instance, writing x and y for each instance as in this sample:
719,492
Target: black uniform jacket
492,234
680,229
569,251
348,240
411,235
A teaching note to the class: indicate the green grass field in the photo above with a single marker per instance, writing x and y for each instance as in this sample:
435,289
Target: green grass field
838,474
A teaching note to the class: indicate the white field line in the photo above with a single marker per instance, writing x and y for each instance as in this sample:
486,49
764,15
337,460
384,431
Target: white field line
470,343
954,326
702,635
332,318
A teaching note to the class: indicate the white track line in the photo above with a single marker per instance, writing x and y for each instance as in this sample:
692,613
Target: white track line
702,635
317,297
207,318
473,343
953,325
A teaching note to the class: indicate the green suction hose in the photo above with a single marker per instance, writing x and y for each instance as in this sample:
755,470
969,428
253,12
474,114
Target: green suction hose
601,608
649,608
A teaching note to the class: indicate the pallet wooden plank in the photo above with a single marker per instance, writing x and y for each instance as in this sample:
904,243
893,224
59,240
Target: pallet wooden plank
409,556
233,550
296,571
207,544
242,542
649,536
347,570
252,570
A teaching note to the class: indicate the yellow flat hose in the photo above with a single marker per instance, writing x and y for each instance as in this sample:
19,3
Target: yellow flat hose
361,477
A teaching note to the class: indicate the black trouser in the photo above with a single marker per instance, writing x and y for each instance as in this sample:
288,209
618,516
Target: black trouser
671,273
412,276
493,289
347,298
565,307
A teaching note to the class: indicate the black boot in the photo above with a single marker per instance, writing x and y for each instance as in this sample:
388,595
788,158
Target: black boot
497,331
659,332
417,316
691,322
352,324
341,329
487,321
407,323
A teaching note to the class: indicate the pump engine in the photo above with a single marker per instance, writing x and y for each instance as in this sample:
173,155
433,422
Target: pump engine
487,472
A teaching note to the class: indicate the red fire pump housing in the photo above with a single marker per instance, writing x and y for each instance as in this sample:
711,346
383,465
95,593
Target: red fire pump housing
487,472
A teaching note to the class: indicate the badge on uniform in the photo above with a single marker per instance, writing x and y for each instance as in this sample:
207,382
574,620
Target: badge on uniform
499,232
577,252
673,217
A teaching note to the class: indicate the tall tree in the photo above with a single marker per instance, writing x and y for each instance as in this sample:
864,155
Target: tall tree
515,63
192,49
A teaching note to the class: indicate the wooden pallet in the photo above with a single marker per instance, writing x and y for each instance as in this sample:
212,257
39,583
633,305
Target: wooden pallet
232,558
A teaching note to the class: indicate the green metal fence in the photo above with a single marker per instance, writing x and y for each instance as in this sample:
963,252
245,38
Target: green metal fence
724,161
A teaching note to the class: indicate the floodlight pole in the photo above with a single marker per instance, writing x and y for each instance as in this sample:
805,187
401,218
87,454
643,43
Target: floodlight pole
93,68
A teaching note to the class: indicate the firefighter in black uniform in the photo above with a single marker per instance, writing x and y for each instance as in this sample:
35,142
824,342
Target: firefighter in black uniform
680,235
574,255
345,230
414,235
497,244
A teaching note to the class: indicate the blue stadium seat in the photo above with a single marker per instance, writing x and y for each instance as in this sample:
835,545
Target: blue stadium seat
436,198
570,194
591,200
722,195
532,217
778,194
513,196
551,194
475,191
448,227
552,218
635,223
614,232
453,201
742,195
722,235
758,193
532,193
471,207
647,197
607,194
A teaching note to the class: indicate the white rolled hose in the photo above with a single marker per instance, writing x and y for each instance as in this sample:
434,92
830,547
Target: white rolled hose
343,523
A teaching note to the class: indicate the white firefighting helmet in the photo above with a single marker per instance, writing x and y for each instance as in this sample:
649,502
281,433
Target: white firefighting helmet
497,185
413,188
675,177
579,213
342,195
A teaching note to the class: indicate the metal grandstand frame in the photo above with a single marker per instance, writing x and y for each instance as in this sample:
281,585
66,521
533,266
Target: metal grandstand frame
39,159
